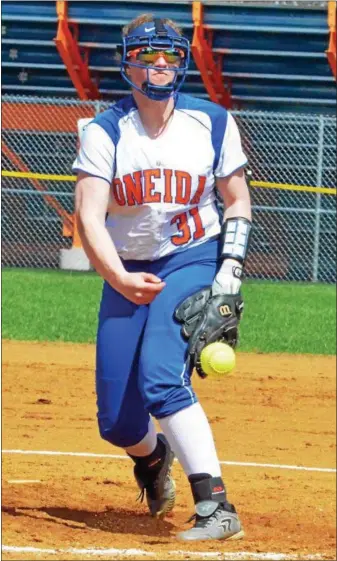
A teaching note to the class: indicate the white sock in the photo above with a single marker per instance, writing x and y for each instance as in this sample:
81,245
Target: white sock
191,439
147,445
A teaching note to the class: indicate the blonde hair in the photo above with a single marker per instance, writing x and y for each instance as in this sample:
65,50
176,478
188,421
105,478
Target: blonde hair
145,18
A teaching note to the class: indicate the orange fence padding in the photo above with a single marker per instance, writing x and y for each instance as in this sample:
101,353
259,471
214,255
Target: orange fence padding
33,117
331,51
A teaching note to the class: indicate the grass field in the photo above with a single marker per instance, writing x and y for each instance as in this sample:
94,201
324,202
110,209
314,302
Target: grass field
40,305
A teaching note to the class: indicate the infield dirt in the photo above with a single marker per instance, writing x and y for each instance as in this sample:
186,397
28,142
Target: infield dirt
276,409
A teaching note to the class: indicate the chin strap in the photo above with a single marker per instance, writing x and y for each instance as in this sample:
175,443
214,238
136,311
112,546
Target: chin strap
155,92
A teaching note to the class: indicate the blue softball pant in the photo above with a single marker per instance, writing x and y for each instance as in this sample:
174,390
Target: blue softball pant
141,356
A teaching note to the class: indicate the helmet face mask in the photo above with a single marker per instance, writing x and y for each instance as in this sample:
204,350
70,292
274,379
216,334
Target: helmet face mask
142,43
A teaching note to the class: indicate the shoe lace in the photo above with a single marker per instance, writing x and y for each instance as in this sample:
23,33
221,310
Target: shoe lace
141,495
191,518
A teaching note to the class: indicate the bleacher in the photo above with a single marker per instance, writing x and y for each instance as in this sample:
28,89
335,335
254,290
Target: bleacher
273,54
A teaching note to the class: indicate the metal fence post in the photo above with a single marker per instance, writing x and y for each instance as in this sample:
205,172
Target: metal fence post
318,198
97,106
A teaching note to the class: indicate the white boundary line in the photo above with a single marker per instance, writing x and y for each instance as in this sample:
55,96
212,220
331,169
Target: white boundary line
122,457
224,556
24,481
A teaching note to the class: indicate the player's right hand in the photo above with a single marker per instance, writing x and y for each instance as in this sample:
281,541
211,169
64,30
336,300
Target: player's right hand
139,288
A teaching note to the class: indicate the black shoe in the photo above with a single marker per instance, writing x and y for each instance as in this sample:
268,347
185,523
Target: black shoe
157,484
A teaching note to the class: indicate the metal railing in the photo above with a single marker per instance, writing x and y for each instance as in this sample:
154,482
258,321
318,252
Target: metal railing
292,164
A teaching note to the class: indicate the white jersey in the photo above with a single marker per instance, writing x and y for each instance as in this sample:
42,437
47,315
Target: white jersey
162,190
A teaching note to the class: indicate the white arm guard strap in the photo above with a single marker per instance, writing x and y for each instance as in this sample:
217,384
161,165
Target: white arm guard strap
236,235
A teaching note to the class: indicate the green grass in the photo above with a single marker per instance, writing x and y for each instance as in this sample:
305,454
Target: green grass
289,317
39,305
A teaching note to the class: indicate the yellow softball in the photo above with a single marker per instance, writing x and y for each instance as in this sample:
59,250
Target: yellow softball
217,359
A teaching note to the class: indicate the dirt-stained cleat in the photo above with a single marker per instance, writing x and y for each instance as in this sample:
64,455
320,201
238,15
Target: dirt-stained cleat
213,522
156,482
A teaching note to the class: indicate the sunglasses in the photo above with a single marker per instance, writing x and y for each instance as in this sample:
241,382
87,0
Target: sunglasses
148,55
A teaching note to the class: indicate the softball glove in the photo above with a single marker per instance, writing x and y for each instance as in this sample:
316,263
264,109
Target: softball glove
207,318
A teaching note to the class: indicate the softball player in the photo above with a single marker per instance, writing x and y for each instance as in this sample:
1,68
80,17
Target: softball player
152,162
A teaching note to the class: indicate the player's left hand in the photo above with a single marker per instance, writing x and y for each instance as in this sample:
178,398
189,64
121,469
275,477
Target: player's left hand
208,317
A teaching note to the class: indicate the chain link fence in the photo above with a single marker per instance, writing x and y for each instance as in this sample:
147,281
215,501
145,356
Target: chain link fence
294,228
294,236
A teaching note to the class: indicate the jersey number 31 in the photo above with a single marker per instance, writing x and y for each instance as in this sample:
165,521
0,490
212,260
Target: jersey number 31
184,230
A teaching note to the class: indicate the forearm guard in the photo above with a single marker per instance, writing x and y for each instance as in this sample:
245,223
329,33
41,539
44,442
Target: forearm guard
236,236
